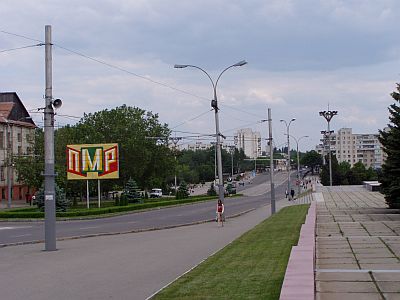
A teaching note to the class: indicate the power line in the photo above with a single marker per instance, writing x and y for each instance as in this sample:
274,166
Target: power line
19,48
131,73
22,36
194,118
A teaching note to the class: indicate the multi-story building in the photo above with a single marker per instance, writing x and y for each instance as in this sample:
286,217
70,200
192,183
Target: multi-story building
249,141
204,146
16,138
354,148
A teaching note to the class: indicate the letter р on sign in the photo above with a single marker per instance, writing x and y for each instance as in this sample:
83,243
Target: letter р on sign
92,161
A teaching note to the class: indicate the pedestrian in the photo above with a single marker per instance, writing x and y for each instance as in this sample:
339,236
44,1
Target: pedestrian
286,194
220,212
292,194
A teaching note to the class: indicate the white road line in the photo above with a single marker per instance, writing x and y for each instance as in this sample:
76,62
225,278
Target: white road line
20,227
21,235
89,227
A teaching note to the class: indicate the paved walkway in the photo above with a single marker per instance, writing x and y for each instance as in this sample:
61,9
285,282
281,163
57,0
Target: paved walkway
358,245
125,266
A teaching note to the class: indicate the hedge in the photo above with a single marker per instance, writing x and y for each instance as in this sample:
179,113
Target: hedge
30,213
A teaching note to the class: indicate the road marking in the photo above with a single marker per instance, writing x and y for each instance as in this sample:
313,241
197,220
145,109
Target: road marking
89,227
21,235
21,227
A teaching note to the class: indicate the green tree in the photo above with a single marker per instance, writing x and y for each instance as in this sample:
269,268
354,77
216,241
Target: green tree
30,168
62,203
311,159
390,140
132,191
325,180
183,191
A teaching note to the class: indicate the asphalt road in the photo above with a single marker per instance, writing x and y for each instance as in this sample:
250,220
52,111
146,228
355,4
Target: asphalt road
18,232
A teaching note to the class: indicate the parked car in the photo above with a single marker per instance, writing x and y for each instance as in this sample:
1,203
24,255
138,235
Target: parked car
156,193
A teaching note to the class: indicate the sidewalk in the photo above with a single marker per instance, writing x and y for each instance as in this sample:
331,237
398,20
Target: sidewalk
357,245
126,266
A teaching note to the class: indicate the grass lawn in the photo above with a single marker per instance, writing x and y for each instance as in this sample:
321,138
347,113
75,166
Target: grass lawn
252,267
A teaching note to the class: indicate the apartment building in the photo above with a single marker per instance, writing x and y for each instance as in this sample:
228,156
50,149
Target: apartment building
249,141
354,148
17,131
204,146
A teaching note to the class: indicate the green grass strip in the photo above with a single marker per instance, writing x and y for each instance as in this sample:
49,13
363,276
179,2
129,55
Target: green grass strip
252,267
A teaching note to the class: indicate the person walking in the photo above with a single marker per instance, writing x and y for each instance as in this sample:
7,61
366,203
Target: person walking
220,212
292,194
286,194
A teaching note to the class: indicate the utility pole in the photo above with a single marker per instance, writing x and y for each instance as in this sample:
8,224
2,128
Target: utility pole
49,180
271,163
9,164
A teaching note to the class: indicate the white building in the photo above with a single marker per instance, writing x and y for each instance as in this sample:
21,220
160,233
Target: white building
249,141
354,148
204,146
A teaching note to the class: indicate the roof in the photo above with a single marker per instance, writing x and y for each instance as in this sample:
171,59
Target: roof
13,111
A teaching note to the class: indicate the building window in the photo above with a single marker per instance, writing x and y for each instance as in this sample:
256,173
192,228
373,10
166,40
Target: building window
1,139
19,150
19,137
2,173
8,140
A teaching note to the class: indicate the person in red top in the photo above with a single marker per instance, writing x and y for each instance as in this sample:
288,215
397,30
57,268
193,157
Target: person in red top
220,212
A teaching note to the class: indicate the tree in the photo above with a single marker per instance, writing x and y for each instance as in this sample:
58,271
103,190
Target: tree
325,178
132,191
62,203
390,140
30,168
311,159
183,191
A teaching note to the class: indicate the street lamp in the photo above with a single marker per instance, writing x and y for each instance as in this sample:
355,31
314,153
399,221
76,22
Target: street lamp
214,105
288,150
328,115
298,160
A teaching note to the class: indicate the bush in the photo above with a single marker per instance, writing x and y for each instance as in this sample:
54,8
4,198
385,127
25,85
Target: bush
62,203
211,191
182,192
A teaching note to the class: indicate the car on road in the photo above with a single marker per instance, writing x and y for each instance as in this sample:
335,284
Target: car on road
156,193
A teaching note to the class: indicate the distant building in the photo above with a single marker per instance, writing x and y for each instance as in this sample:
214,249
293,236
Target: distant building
17,132
249,141
354,148
204,146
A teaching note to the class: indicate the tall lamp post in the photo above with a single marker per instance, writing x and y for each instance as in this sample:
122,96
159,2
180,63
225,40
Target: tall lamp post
288,151
328,115
298,159
214,105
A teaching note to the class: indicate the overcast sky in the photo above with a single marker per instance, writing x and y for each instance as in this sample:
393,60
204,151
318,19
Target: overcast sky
302,56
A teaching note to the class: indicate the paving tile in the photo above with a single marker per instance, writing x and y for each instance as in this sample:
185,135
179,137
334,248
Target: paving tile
346,287
377,254
391,296
336,260
338,266
348,296
380,276
335,255
387,260
380,266
342,276
370,250
389,286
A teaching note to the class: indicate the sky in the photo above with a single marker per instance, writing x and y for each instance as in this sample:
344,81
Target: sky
303,56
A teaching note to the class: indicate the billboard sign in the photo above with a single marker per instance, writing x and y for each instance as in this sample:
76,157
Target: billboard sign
92,161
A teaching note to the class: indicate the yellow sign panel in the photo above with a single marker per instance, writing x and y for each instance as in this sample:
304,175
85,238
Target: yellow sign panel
92,161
